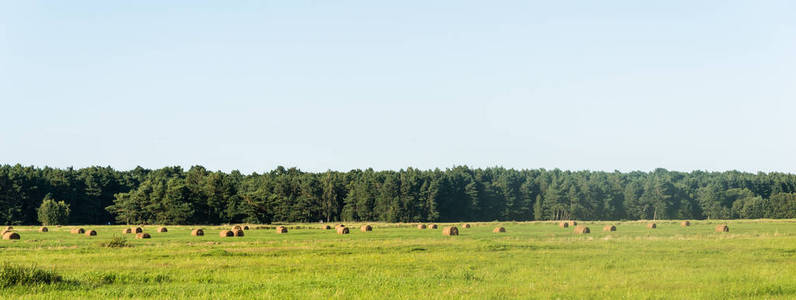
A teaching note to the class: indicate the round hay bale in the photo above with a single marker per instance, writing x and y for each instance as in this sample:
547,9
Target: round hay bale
652,226
366,228
236,227
9,235
685,223
138,230
197,232
342,230
563,224
327,227
722,228
245,227
238,233
142,235
91,233
77,231
572,223
609,228
162,229
452,230
432,226
421,226
338,226
226,233
499,229
466,226
8,228
582,229
44,229
127,231
281,229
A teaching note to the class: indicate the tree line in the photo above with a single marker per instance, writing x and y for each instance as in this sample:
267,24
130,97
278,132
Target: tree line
172,195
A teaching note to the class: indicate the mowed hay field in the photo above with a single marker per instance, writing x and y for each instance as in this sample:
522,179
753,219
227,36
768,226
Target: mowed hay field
755,259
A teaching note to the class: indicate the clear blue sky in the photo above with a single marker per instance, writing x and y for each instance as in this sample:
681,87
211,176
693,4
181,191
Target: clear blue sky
248,85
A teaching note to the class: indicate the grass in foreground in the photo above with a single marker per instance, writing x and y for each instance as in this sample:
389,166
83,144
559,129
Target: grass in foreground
13,275
756,259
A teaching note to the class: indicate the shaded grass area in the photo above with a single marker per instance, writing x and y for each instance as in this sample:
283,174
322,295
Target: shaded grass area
13,275
398,261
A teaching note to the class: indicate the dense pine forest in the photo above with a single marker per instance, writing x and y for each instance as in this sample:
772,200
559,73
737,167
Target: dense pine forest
172,195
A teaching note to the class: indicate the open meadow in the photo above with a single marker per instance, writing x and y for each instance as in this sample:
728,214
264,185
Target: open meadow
755,259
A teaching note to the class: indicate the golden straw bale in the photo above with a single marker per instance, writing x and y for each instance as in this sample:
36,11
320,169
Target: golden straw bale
452,230
499,229
197,232
366,228
10,235
582,229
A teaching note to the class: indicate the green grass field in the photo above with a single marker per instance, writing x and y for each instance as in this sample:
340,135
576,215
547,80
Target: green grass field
756,259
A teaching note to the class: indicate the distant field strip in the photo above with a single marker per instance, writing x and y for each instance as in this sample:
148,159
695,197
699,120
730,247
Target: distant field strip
755,259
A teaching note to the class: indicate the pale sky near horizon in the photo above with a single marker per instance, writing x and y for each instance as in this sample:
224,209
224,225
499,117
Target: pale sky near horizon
249,85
